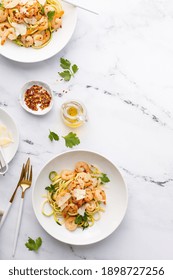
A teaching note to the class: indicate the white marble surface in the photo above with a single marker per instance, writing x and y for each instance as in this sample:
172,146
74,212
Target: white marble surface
125,80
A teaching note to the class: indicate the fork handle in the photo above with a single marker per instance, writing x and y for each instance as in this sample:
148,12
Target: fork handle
5,214
18,226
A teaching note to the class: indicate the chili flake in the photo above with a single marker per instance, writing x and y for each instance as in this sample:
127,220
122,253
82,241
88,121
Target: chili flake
37,97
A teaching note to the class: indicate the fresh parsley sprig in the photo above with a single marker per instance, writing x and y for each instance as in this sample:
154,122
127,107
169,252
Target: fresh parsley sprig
71,140
53,136
69,69
50,189
50,15
104,178
33,245
82,220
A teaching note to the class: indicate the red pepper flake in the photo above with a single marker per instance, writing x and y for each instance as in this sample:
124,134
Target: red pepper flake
37,97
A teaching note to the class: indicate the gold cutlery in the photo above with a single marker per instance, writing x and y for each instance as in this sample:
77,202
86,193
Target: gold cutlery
25,184
12,198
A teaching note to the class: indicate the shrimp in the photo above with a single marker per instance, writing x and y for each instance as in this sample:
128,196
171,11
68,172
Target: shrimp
8,33
86,177
82,166
100,195
72,186
89,196
90,206
70,224
56,23
27,41
67,174
3,15
72,209
4,26
38,39
43,23
16,16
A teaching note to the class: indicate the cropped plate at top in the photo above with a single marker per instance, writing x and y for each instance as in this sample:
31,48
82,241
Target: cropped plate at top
116,203
58,42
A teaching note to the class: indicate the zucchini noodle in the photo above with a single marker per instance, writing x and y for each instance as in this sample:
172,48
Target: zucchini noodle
76,197
30,23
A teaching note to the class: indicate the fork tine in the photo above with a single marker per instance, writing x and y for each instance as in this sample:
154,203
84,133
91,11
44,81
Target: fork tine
30,177
27,168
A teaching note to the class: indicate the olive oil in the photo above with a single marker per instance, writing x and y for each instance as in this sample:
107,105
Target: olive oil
73,113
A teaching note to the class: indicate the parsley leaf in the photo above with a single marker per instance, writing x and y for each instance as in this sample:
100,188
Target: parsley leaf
82,220
50,189
1,5
104,178
75,68
69,70
71,140
66,75
50,15
53,136
33,245
65,63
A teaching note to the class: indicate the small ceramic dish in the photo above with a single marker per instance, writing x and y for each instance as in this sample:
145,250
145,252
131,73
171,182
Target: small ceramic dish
28,108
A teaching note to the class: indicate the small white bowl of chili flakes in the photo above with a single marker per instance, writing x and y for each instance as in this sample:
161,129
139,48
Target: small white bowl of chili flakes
36,98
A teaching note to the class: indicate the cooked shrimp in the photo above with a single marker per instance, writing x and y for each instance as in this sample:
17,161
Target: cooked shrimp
70,224
4,26
90,206
82,166
56,23
27,41
43,23
3,15
16,16
67,174
100,195
72,209
9,33
89,195
72,186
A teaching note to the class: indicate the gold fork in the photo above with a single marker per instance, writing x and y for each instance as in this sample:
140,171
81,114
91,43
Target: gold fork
12,198
25,184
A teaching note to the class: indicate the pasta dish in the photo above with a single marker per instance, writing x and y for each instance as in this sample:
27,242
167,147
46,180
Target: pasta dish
76,197
29,23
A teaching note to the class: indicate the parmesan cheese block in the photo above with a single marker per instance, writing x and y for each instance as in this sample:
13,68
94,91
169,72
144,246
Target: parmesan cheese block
5,137
63,199
79,194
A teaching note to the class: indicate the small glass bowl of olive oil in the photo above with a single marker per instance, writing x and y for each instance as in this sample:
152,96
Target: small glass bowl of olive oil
73,113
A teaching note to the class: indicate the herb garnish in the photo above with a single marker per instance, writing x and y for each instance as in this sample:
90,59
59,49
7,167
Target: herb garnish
69,71
33,245
71,140
104,178
50,15
53,136
50,189
82,220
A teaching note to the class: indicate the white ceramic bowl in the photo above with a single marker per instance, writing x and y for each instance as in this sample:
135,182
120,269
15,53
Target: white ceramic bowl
22,94
116,193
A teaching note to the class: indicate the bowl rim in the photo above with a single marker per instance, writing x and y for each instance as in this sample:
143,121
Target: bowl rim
22,102
97,154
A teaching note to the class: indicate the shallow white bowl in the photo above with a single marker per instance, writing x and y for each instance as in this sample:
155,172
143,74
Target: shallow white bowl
58,42
22,94
116,192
